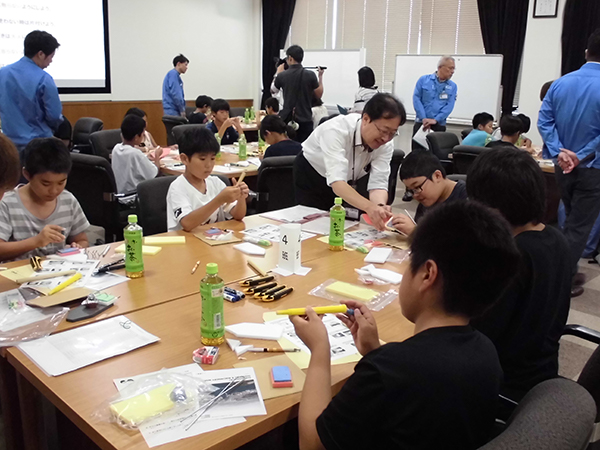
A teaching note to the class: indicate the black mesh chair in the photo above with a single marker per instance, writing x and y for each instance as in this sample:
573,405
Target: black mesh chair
275,184
395,164
82,130
189,110
92,182
441,144
465,132
178,130
464,155
104,141
152,203
170,122
557,414
237,111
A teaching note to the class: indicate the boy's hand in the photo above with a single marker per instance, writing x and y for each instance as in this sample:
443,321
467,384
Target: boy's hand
244,190
230,194
312,331
403,223
362,325
157,155
50,234
75,245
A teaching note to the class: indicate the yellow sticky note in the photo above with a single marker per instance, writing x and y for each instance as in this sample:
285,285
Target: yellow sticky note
16,273
135,410
160,240
146,249
352,291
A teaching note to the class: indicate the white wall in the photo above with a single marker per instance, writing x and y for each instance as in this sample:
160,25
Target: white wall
220,38
541,63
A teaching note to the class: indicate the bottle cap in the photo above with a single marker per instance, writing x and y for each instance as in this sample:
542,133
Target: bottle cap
338,200
132,218
212,268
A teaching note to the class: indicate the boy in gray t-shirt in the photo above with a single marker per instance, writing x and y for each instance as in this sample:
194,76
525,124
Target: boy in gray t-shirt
39,218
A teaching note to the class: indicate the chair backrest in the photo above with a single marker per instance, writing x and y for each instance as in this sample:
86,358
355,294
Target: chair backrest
178,130
237,111
590,379
397,158
464,155
82,130
556,414
457,177
92,182
275,183
170,122
104,141
465,132
189,110
441,143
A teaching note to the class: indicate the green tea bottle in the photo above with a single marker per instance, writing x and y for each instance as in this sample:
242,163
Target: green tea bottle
337,217
134,262
247,116
212,327
218,138
243,152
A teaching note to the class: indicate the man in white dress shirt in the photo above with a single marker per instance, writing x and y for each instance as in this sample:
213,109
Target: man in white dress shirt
346,149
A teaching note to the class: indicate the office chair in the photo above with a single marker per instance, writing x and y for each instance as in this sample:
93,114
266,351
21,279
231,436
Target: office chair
465,132
464,155
275,184
397,158
82,130
441,144
188,111
237,111
152,203
92,182
557,414
104,141
170,122
178,130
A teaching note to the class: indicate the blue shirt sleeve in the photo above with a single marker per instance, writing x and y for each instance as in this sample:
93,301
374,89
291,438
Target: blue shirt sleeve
174,91
448,107
47,93
547,127
417,103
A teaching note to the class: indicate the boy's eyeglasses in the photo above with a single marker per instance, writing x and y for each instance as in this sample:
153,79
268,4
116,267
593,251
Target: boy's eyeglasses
410,193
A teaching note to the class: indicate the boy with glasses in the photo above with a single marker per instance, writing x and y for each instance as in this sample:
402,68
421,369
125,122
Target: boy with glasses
426,182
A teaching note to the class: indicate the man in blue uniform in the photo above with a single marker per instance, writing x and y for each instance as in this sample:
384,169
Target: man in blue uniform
172,96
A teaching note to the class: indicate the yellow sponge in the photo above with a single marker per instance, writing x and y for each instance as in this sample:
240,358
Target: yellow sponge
351,291
135,410
158,240
146,249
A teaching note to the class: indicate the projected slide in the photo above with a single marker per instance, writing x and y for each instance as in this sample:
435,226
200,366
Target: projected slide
80,63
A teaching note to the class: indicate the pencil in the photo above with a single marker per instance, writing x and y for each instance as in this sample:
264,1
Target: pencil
410,217
241,178
258,270
195,267
105,251
274,350
65,284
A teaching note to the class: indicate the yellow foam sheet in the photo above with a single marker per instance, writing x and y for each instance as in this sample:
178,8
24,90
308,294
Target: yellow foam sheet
262,368
144,406
302,359
18,272
161,240
146,249
352,291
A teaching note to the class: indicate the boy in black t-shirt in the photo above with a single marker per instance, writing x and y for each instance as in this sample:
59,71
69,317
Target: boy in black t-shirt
426,182
437,389
202,106
527,322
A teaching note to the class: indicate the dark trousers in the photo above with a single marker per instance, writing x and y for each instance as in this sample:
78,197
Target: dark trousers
310,187
417,125
580,192
303,132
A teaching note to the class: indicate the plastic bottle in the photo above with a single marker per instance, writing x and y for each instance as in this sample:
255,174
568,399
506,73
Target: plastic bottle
252,114
212,327
134,262
261,144
247,116
218,138
337,217
243,149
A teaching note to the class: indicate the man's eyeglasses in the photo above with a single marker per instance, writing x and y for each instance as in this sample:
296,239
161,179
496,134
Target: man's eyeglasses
410,193
385,133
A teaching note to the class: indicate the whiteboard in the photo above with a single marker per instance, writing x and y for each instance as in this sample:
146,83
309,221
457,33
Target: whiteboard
477,77
340,80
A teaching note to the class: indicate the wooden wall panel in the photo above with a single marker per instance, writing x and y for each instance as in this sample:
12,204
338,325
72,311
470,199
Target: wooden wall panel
112,113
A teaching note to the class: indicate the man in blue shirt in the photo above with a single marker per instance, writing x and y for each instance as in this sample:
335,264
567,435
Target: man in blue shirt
569,123
29,103
434,98
172,94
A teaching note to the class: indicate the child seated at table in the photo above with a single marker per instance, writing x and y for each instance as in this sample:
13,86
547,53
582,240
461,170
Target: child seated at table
523,142
200,115
148,143
528,321
275,132
426,182
228,128
196,197
511,128
483,127
272,106
439,388
130,165
38,218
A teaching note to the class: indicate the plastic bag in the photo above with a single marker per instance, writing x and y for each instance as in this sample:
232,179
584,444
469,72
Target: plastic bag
159,394
20,323
376,303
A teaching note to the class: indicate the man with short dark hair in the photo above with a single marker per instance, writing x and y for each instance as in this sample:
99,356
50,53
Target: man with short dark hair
298,86
173,98
29,103
568,123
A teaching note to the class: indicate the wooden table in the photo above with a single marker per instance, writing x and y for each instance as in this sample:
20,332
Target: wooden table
177,324
226,158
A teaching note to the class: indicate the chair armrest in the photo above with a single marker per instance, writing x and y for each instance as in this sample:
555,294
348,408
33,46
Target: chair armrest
126,194
583,333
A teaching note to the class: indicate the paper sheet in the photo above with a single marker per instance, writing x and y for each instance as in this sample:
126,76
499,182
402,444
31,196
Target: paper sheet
104,280
271,233
164,430
322,224
302,271
343,349
419,137
71,350
263,366
16,273
86,269
294,214
378,255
